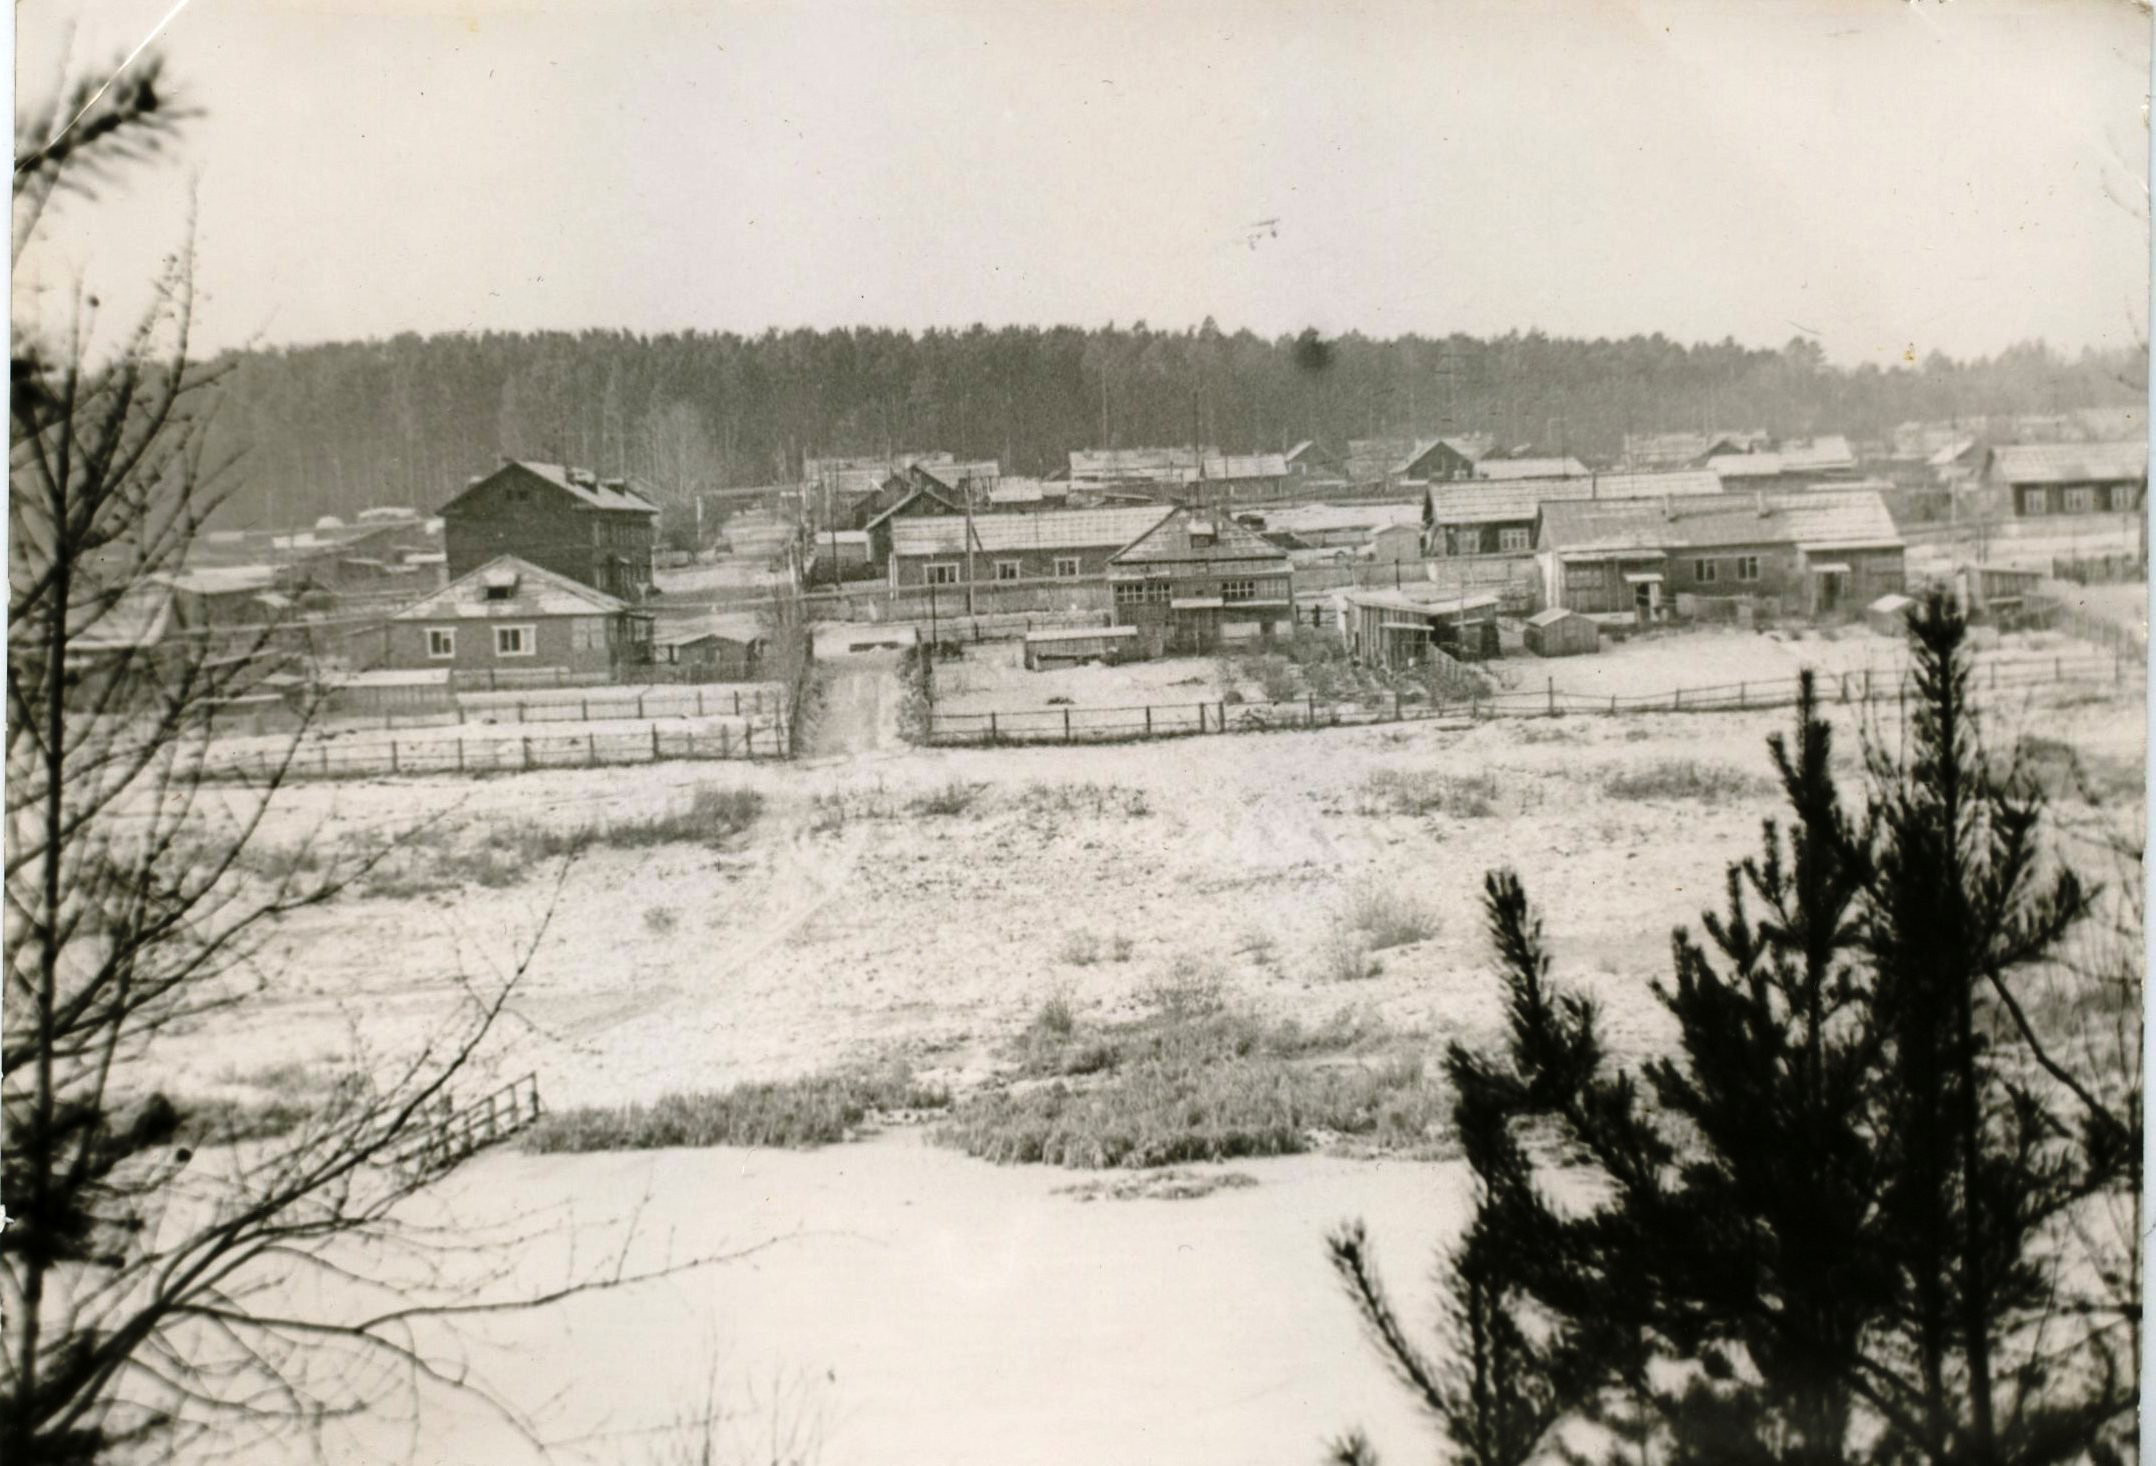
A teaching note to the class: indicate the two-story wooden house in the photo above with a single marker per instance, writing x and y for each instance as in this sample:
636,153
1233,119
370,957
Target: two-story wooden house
1197,580
597,531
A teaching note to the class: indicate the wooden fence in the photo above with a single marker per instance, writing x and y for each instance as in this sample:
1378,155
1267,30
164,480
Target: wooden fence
351,758
1173,720
449,1133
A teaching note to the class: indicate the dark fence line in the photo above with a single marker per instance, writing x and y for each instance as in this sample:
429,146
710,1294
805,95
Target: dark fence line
1175,720
353,759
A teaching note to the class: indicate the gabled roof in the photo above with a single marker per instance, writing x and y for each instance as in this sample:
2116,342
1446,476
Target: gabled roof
741,626
1028,491
1134,463
1950,453
587,488
1816,519
908,502
1331,518
1175,539
222,580
1450,604
133,620
954,475
2069,463
534,591
1499,501
1814,455
1240,465
1296,452
1509,468
1051,529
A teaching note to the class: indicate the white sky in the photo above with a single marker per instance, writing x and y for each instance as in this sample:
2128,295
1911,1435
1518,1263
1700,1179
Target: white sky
1889,175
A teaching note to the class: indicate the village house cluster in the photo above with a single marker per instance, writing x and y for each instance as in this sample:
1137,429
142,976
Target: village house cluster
538,574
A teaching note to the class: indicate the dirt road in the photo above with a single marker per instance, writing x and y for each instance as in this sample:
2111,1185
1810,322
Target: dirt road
858,714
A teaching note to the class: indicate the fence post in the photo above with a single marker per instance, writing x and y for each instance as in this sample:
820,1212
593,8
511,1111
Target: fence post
748,741
1550,686
737,702
460,755
393,755
325,760
1066,725
726,740
1313,716
526,741
1676,700
654,742
992,734
1220,711
1740,697
1867,686
584,706
1149,720
2057,674
640,705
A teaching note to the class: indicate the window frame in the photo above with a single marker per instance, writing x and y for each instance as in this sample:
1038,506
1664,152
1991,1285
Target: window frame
940,572
2079,499
1069,567
1748,568
1704,572
441,643
1513,540
1016,570
527,634
1241,588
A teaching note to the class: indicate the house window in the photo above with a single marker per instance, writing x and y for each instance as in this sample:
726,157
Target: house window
1238,590
587,634
1747,567
515,641
944,574
2122,497
2081,500
441,642
1008,569
1703,571
1513,539
1141,593
1584,577
2034,501
501,592
1068,567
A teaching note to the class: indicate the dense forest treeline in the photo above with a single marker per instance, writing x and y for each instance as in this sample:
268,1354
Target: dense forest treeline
332,429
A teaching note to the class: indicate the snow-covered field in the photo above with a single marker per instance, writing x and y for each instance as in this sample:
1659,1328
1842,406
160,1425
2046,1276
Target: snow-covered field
845,924
914,1304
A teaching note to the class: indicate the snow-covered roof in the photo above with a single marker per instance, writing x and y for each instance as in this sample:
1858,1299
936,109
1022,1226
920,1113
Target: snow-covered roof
2070,463
508,586
1052,529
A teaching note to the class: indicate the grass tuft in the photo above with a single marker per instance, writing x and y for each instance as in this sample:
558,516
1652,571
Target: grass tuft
1681,778
1195,1080
1389,918
793,1114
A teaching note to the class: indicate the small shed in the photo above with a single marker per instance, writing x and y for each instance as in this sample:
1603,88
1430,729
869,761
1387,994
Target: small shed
721,647
389,690
1889,615
1561,633
1080,644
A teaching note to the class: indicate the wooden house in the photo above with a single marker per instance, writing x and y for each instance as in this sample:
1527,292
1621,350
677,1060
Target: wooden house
1396,631
917,503
1414,460
2040,480
1497,517
1197,580
1055,544
1561,633
1816,552
599,532
512,621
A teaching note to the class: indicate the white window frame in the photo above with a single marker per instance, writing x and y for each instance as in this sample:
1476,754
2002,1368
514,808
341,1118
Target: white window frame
2080,499
1239,590
1703,571
1069,567
941,572
1511,541
2035,502
1010,570
527,636
442,643
1592,575
1747,567
2122,498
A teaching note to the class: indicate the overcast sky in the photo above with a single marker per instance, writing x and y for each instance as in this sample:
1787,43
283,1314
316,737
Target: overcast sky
1887,176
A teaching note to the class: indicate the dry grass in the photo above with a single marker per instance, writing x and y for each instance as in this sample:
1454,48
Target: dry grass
1428,792
1196,1080
1681,778
795,1114
1388,917
952,799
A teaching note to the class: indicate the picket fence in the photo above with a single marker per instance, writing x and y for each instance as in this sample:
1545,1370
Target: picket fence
1176,720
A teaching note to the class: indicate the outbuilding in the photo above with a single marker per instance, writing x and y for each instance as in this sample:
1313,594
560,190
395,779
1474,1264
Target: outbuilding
1070,644
1889,615
1561,633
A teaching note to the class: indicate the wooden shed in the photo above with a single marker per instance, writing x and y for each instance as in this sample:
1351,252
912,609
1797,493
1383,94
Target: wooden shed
1889,615
1561,633
1080,644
